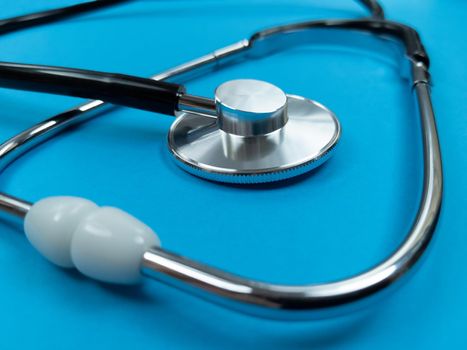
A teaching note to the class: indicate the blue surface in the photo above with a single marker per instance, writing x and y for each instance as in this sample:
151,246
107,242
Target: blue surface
344,218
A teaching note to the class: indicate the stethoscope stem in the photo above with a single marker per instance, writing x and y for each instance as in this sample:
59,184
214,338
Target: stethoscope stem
197,104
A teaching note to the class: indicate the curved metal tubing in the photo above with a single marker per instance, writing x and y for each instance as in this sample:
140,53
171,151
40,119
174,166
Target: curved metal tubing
264,299
315,300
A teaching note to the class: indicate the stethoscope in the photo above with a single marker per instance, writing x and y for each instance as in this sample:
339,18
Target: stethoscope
250,132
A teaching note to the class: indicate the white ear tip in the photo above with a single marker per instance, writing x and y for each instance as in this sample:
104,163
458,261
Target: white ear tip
50,224
106,243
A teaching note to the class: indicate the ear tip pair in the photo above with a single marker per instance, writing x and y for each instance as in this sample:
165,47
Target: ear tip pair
103,243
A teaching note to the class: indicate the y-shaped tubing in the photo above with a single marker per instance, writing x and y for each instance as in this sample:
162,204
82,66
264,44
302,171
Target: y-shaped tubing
264,299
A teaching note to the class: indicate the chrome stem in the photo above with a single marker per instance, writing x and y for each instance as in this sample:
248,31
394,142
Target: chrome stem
197,104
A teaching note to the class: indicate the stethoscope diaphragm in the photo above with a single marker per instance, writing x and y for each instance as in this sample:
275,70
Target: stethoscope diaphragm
260,135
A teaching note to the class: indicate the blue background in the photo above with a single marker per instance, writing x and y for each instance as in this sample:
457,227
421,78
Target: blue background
340,220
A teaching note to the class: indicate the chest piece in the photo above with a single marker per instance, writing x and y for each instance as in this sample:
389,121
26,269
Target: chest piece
258,134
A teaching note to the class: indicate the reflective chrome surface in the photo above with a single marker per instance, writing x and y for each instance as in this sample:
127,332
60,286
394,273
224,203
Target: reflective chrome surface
248,107
270,300
305,141
13,205
197,104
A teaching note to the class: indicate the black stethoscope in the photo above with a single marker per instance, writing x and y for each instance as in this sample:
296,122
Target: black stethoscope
250,132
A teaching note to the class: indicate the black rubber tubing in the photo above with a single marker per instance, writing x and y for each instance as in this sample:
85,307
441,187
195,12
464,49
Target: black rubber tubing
119,89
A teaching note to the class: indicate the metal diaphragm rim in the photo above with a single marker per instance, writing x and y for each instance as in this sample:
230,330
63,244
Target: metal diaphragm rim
305,142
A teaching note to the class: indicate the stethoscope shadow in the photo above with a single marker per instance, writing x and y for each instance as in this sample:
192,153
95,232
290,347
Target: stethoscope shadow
272,185
134,293
162,313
